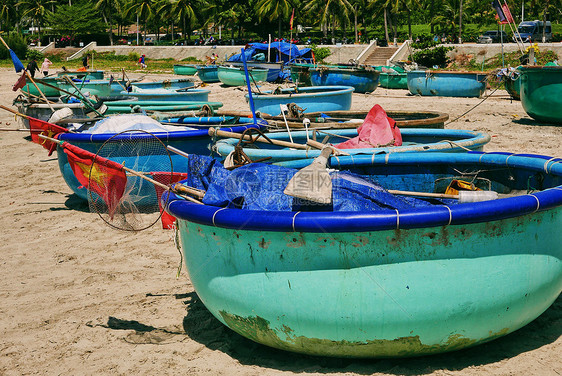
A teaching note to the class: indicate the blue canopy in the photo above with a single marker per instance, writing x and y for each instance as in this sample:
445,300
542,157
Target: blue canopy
280,51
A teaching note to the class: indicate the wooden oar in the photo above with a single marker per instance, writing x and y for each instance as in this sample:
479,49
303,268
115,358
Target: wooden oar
25,117
85,102
217,132
39,90
313,183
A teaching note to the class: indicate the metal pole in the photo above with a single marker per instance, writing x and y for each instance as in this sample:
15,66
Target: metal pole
137,29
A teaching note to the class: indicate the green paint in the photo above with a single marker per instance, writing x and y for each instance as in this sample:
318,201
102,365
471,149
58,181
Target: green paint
259,330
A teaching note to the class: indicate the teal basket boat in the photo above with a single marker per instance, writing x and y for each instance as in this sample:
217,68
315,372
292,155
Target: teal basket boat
392,77
236,76
392,282
447,83
185,69
541,87
208,73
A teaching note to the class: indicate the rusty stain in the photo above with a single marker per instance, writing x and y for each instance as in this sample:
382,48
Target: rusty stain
263,244
258,329
360,241
294,240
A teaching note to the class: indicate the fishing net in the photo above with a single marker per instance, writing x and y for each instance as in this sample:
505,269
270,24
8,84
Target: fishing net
136,206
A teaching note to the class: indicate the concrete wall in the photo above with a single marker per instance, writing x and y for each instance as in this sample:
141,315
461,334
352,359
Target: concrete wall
340,54
486,51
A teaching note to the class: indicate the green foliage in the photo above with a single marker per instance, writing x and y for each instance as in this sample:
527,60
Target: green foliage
133,56
191,59
436,56
34,54
17,44
76,19
320,53
111,56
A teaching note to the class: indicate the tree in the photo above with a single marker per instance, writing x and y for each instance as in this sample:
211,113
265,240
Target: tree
330,11
8,14
274,9
74,20
185,9
36,10
142,9
107,8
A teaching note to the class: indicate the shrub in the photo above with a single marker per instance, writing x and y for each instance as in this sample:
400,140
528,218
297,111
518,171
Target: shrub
320,53
34,54
17,44
429,54
133,56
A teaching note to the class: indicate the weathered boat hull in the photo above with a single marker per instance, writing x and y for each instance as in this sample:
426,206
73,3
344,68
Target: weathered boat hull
185,69
413,140
208,74
29,88
396,79
353,119
126,106
540,93
100,88
273,69
513,86
236,76
42,111
315,98
363,80
384,284
446,84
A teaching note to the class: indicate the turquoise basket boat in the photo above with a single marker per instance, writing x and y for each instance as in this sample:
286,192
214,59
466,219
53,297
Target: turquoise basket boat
101,88
195,141
185,69
208,73
541,87
447,83
169,95
129,106
389,283
29,88
89,75
413,140
236,76
311,99
273,69
361,79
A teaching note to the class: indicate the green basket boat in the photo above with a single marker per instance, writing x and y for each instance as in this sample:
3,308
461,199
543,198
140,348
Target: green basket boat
512,84
236,76
392,80
541,87
185,69
30,90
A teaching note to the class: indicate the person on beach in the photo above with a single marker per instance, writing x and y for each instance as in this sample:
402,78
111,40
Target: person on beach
32,67
141,62
45,67
85,62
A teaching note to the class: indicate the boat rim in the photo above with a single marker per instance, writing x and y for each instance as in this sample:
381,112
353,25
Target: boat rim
441,215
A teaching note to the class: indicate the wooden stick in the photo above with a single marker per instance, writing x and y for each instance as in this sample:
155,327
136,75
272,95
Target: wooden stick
213,132
320,146
422,194
84,99
39,90
35,96
14,112
87,103
14,130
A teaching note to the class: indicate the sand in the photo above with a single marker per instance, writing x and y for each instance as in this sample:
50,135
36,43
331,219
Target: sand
78,297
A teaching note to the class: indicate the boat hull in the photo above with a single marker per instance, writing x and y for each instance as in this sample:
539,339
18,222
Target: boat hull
42,111
29,88
405,285
363,80
127,107
513,86
312,99
540,93
100,88
273,69
208,74
236,76
189,95
89,75
414,140
446,84
185,69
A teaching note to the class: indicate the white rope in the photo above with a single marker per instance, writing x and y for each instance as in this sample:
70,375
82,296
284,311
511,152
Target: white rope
548,168
294,217
450,214
538,203
397,219
214,214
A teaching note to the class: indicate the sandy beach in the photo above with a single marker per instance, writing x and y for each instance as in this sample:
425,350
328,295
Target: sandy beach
78,297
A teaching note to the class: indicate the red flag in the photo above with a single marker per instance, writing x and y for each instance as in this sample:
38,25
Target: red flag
104,177
292,18
20,82
166,178
507,13
37,127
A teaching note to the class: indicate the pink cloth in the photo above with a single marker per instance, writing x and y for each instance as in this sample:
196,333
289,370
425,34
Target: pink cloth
376,131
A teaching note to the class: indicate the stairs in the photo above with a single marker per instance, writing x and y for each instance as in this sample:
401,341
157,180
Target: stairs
380,55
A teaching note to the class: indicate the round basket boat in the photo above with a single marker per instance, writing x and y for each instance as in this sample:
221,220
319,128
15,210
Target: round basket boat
185,69
353,119
236,76
208,73
413,140
447,83
388,283
361,79
540,92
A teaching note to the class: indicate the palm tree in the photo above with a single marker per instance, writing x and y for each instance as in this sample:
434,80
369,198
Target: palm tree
274,9
107,8
330,10
7,13
36,10
185,9
143,9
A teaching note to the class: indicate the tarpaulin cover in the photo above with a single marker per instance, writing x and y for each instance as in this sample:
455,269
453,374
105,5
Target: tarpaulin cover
376,131
279,52
260,186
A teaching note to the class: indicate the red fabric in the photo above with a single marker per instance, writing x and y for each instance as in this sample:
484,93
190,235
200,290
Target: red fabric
166,178
507,13
20,83
37,127
106,178
292,18
376,131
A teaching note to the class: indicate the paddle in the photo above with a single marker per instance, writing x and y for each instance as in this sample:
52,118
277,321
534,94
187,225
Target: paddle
313,183
15,60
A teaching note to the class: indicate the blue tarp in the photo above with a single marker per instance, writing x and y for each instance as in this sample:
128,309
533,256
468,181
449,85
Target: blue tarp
280,52
260,186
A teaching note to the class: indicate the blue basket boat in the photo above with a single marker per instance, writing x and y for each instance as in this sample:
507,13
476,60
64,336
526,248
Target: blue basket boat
129,106
194,141
386,283
273,69
208,73
446,83
185,69
413,140
312,99
363,80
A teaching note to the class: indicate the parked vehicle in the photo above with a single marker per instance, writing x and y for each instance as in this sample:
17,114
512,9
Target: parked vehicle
532,31
492,36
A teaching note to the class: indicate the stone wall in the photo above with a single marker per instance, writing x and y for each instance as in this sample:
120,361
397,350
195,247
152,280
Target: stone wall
486,51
